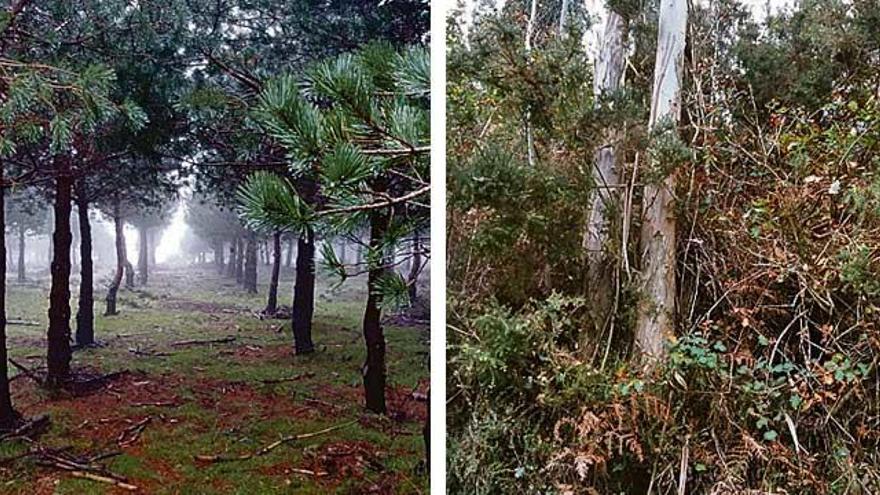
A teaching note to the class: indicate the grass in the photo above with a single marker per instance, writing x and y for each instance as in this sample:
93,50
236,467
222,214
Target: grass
222,405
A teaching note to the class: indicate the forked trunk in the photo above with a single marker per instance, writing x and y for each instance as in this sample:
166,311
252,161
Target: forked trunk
8,415
657,306
374,336
58,356
304,293
272,301
85,316
120,263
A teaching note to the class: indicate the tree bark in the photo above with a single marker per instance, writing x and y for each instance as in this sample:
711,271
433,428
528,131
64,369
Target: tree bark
250,264
415,268
120,262
656,308
304,293
374,336
22,232
272,301
143,255
239,260
230,272
9,417
289,260
218,256
530,28
58,355
604,200
85,315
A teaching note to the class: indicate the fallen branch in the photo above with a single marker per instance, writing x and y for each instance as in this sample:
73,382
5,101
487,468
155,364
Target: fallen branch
161,403
131,434
138,352
24,323
35,424
272,446
104,479
224,340
27,371
289,379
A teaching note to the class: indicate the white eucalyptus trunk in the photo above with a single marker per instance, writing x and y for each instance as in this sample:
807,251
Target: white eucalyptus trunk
608,79
657,306
563,14
530,29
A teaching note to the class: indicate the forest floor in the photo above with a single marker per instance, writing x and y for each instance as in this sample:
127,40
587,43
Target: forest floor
177,401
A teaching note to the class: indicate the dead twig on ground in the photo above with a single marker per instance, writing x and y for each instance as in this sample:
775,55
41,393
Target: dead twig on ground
272,446
131,434
27,371
296,378
224,340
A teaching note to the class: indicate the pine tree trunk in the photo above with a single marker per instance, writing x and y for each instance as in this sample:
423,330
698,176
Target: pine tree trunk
250,264
85,316
143,255
239,260
304,293
374,336
230,268
22,275
604,201
8,415
218,256
415,268
272,301
58,355
120,263
289,260
656,309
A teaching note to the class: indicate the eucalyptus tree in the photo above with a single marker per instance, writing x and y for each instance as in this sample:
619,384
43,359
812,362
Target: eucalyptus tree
654,325
358,127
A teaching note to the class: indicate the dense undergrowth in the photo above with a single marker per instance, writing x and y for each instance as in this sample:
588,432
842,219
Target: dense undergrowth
771,384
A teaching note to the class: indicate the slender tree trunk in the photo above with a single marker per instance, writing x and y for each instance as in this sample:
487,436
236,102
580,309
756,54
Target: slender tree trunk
218,256
152,250
250,264
22,275
415,268
272,301
289,261
239,260
656,309
58,356
143,255
563,15
604,200
9,417
85,315
374,336
530,29
120,262
230,272
304,293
